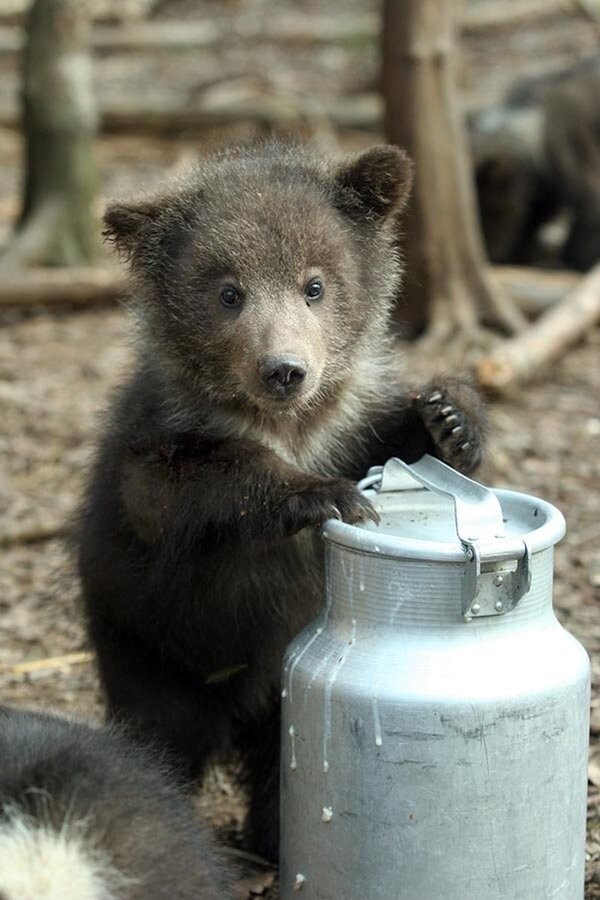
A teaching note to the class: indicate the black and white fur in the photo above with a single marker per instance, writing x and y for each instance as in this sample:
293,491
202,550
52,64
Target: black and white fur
86,814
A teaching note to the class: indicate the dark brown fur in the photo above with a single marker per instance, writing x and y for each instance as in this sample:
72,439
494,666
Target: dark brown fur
196,559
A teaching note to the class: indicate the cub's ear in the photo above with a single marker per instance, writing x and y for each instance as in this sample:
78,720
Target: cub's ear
374,185
126,224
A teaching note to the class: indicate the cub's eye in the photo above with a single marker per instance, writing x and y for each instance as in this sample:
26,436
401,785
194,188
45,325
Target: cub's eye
230,296
314,289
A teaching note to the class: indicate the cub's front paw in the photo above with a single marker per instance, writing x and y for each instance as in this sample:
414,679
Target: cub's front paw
455,423
326,499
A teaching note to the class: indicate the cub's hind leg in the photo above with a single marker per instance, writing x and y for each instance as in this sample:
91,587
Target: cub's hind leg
160,703
258,742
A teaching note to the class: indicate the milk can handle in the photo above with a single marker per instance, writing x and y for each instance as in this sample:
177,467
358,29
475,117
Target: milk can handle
479,526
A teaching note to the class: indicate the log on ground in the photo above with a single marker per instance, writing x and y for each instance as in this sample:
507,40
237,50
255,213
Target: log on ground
524,356
534,290
78,286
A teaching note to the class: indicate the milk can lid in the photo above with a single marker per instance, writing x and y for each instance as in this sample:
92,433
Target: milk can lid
431,512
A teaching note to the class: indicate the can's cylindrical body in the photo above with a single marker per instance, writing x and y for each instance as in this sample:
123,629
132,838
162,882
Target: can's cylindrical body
427,753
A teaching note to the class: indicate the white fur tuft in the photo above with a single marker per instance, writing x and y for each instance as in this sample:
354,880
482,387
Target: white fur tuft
40,863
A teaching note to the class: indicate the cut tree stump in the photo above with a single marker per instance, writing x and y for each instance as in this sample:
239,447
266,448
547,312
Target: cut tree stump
526,355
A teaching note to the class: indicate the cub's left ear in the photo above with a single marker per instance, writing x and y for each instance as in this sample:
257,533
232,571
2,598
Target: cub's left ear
374,185
127,224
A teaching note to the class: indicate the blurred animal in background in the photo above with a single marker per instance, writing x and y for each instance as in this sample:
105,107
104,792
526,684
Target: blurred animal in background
537,157
86,814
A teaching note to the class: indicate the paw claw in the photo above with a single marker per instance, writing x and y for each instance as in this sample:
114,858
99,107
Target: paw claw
451,420
457,430
435,397
446,409
372,514
464,446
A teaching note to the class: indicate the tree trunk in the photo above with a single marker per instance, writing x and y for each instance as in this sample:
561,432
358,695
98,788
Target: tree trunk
447,291
57,226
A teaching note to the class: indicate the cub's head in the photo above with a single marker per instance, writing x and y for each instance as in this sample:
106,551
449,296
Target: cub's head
264,274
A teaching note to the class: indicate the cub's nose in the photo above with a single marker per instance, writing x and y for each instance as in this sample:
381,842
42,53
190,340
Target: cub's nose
283,375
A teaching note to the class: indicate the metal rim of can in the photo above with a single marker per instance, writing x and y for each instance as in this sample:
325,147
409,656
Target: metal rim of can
376,543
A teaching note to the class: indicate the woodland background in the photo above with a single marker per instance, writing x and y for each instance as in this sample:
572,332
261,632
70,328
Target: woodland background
172,80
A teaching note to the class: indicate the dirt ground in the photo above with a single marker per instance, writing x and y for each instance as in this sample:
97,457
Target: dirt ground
56,372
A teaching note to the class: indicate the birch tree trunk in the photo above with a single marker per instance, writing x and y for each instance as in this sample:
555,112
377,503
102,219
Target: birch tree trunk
447,292
57,225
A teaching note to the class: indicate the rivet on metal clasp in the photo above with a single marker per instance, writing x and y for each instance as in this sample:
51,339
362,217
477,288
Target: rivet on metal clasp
489,592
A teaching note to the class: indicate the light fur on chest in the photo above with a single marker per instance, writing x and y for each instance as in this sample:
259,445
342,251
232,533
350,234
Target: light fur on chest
325,445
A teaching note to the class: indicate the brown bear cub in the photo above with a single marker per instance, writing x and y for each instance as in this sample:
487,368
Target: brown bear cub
266,384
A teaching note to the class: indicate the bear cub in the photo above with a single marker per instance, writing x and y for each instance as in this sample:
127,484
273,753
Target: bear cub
266,384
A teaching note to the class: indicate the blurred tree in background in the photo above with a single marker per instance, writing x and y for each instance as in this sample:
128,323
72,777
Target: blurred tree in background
57,226
447,292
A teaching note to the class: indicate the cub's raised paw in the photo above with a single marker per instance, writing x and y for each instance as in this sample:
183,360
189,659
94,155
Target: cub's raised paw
456,428
326,499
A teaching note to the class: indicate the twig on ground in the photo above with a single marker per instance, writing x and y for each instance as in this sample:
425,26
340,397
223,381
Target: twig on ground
49,663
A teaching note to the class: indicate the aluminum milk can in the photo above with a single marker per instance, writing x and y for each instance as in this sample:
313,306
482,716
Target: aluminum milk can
435,715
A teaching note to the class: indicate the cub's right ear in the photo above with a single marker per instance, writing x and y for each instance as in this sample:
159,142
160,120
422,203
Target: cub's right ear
374,185
128,223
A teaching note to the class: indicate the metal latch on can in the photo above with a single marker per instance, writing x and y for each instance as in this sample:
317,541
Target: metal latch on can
491,585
